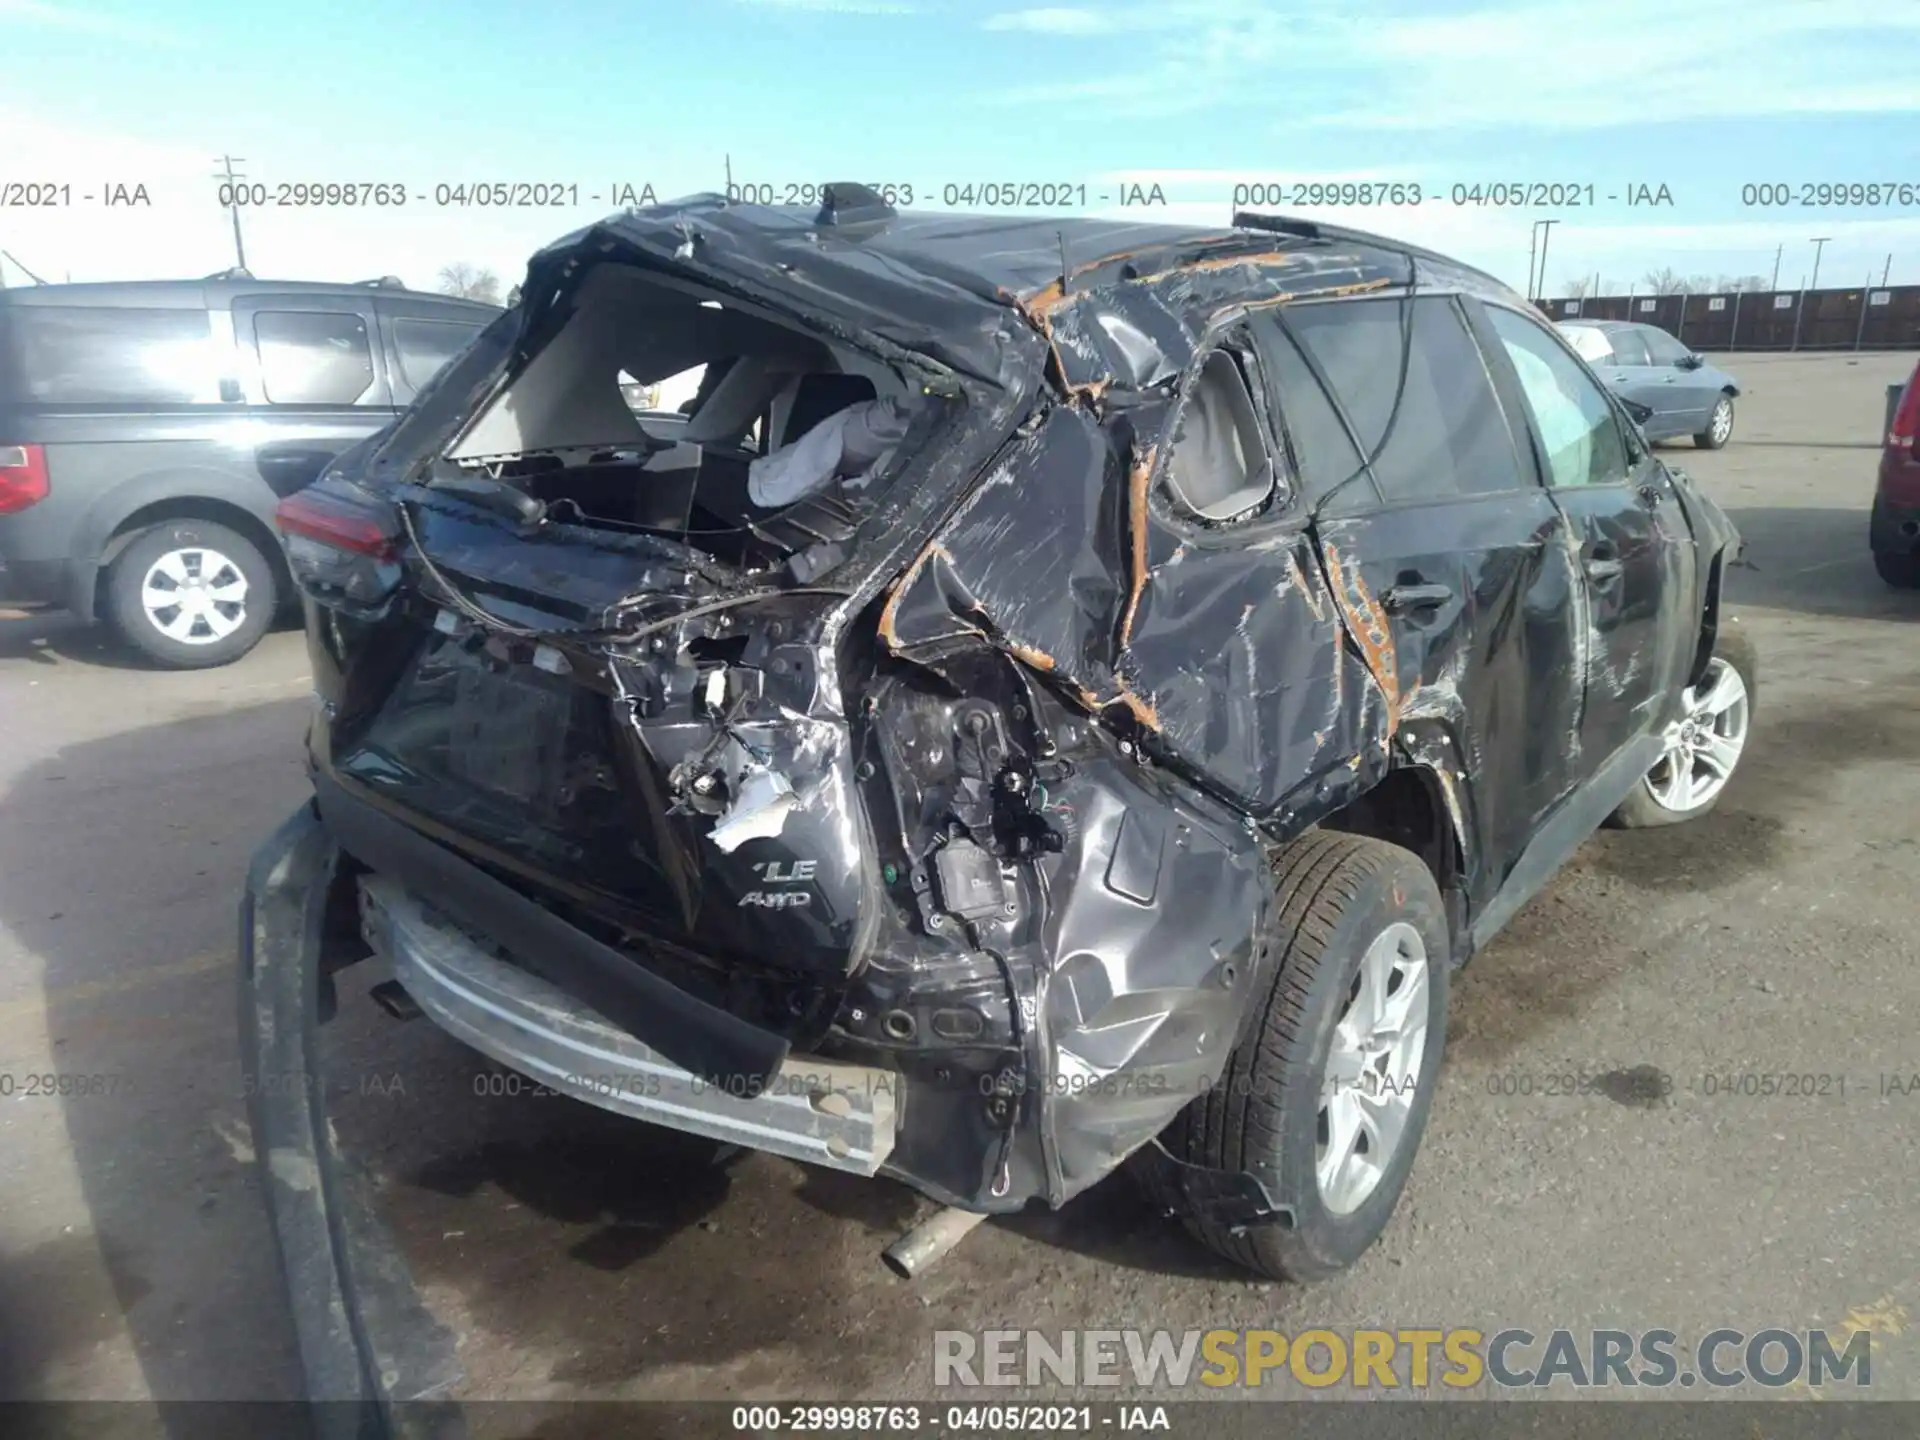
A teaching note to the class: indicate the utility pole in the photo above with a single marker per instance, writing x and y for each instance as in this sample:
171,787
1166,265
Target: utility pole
1533,239
1819,244
231,176
1546,233
1886,269
1776,263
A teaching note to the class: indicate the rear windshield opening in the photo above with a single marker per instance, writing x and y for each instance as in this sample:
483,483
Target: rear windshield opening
660,407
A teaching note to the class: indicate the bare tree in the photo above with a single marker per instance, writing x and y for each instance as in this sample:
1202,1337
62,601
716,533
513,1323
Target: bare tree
1664,281
470,282
1578,288
1701,285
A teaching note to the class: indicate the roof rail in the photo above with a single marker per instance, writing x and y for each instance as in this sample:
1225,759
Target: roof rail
385,282
1275,224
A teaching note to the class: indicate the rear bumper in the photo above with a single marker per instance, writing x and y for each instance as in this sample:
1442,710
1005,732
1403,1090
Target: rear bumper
701,1039
822,1112
35,582
1892,528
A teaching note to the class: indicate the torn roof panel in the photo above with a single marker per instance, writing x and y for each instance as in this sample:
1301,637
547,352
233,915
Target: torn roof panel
983,294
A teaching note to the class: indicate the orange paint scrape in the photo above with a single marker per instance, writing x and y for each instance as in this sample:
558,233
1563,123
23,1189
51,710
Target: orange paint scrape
1137,525
1368,626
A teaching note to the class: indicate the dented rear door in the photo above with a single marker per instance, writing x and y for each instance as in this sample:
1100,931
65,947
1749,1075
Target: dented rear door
1450,564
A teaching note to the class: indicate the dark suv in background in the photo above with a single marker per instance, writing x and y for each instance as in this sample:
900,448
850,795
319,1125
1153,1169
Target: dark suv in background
148,429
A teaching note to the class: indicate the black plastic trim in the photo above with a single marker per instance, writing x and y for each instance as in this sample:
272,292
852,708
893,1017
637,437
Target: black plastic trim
700,1038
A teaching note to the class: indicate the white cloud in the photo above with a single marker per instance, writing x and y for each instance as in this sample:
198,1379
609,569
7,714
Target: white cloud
1538,63
1051,21
46,15
837,7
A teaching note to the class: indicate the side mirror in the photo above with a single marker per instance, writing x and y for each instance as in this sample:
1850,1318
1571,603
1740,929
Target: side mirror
1640,413
1691,362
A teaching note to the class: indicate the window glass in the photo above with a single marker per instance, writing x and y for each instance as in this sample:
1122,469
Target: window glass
85,355
425,346
1583,441
1589,342
1628,347
1439,434
1662,348
313,357
1322,450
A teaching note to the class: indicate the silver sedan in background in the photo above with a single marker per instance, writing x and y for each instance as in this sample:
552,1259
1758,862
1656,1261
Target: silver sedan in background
1647,366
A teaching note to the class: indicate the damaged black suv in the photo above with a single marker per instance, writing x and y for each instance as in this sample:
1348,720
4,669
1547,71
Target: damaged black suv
1070,693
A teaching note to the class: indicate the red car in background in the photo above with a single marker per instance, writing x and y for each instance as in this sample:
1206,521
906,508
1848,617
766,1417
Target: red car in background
1895,528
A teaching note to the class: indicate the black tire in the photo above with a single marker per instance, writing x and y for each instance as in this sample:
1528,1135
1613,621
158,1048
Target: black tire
1706,439
1640,810
1336,893
1900,570
132,622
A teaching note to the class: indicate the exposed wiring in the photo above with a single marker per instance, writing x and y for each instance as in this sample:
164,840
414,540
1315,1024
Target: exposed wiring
611,634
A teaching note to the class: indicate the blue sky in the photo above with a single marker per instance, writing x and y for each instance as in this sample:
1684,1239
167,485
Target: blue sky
1701,96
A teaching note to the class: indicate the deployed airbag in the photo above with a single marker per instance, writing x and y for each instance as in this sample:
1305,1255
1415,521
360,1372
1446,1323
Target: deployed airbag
847,443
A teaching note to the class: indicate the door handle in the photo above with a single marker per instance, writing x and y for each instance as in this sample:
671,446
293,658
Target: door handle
1402,598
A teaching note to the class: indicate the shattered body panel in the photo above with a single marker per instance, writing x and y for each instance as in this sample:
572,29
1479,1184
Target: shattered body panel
988,801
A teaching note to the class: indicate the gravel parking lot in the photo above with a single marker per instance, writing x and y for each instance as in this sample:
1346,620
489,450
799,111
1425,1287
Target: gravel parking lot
577,1254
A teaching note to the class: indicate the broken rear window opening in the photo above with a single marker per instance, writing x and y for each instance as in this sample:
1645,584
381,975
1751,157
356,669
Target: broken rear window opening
1218,469
783,450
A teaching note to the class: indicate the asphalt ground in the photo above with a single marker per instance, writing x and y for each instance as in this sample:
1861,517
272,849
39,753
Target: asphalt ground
577,1254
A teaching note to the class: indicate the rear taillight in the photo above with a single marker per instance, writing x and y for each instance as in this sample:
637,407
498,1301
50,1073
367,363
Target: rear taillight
1906,416
340,519
343,545
23,477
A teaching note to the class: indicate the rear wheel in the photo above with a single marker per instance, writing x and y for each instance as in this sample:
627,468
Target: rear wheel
189,594
1719,425
1326,1097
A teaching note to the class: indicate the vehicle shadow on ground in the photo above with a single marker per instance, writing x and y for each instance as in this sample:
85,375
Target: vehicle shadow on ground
1531,979
1813,561
50,637
170,1244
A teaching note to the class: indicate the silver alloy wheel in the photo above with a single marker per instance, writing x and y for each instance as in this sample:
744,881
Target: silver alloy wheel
1721,426
1373,1069
194,595
1704,744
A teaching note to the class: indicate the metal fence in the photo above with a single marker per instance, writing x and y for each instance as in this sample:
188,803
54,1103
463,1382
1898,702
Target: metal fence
1886,318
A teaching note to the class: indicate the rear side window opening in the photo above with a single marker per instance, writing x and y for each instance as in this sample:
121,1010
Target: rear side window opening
102,355
659,407
1218,470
